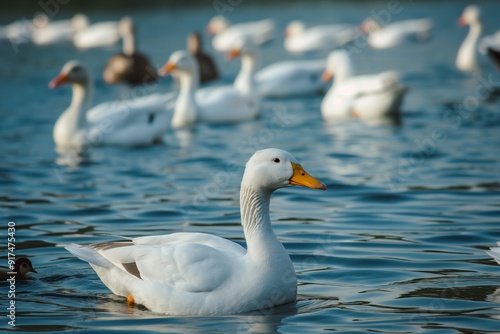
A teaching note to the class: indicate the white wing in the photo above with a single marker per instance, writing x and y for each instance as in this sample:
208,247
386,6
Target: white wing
181,260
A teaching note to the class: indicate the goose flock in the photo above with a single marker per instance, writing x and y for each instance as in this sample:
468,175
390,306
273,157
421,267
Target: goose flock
195,273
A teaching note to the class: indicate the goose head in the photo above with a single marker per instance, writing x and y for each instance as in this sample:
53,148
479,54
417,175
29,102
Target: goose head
23,266
272,168
79,21
336,62
470,15
245,46
370,25
72,72
217,25
294,28
194,43
179,62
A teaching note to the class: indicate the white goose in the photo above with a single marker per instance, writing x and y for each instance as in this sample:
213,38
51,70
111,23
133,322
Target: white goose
494,252
226,104
299,38
368,97
467,54
137,122
226,35
393,34
202,274
97,35
291,78
59,31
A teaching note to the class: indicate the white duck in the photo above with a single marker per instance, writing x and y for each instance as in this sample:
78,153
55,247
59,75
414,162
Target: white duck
368,97
299,38
223,104
202,274
59,31
291,78
494,252
393,34
136,122
102,34
467,54
226,35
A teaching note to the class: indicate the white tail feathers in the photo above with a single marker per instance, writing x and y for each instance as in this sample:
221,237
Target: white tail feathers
88,254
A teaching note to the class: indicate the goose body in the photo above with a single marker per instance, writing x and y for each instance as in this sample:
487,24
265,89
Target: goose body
226,104
59,31
226,35
396,33
291,78
129,66
98,35
136,122
368,97
201,274
300,39
468,52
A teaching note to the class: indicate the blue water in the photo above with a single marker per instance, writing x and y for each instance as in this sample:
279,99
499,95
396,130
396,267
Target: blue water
396,244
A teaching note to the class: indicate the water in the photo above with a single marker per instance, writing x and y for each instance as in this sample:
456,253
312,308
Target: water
396,244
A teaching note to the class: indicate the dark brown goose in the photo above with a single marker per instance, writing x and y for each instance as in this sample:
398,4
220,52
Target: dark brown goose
129,67
208,69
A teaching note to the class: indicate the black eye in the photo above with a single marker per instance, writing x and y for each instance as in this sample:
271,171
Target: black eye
276,160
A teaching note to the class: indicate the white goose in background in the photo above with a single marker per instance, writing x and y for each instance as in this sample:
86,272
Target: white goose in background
467,54
299,38
494,252
59,31
203,274
21,31
291,78
97,35
225,35
367,97
222,104
136,122
396,33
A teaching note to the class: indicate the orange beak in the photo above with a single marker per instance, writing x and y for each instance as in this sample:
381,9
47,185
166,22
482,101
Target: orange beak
209,30
165,70
59,80
461,21
327,76
301,178
233,54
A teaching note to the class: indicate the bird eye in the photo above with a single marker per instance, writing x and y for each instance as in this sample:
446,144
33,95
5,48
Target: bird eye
276,160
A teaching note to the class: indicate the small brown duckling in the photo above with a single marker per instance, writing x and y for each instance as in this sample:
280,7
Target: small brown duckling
208,70
22,267
129,67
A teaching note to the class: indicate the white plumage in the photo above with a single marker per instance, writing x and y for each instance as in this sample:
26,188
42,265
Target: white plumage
201,274
300,39
396,33
368,97
227,35
223,104
135,122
